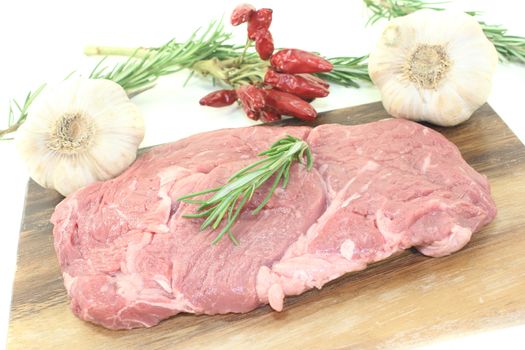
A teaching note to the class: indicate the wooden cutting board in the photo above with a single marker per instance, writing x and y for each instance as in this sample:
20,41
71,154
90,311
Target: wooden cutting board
406,300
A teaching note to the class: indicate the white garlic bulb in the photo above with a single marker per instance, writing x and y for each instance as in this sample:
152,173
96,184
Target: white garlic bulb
81,131
433,66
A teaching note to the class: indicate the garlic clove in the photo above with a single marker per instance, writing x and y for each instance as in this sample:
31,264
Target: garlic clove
79,132
70,175
448,108
119,158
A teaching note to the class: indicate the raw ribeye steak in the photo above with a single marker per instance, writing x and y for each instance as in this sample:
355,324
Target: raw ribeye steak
130,259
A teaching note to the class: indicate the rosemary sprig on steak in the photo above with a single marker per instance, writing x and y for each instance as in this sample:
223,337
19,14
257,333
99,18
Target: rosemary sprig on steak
229,199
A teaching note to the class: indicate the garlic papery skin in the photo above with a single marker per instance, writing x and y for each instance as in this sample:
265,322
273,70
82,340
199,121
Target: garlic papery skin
433,66
79,132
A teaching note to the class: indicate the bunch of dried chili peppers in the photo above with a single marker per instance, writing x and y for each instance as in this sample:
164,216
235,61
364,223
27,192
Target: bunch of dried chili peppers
288,85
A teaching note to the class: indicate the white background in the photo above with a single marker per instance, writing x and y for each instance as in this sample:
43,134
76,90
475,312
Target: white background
42,41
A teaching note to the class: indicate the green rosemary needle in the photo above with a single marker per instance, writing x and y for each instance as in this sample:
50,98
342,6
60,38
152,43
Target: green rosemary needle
228,200
389,9
510,47
17,117
348,71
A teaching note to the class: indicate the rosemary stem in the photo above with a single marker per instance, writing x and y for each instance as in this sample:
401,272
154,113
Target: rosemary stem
116,51
10,129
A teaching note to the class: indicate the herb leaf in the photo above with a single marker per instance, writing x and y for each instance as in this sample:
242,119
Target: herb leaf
230,198
18,117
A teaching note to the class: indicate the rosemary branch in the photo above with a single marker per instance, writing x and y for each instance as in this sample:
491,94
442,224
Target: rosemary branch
510,47
207,53
229,199
138,74
226,65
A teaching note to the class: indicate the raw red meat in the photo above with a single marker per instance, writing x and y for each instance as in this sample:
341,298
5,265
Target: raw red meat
129,258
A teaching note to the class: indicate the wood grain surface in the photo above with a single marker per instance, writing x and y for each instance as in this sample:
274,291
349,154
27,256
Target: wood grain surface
398,303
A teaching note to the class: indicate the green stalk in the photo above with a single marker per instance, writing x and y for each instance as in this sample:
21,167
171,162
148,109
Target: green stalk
115,51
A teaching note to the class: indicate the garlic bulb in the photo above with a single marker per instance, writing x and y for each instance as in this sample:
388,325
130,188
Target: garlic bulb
82,131
433,66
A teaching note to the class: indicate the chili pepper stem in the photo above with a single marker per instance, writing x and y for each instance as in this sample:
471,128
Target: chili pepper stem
249,73
230,72
230,62
246,46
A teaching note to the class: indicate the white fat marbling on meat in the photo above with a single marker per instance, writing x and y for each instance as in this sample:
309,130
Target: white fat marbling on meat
164,207
68,280
163,282
369,166
133,248
458,238
172,173
364,188
349,200
129,285
323,168
132,185
347,249
383,224
426,163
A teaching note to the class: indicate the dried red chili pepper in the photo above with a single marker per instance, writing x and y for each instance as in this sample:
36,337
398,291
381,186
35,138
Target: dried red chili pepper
288,104
219,98
295,84
253,100
270,116
259,20
251,96
314,79
264,44
242,14
295,61
292,88
251,114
